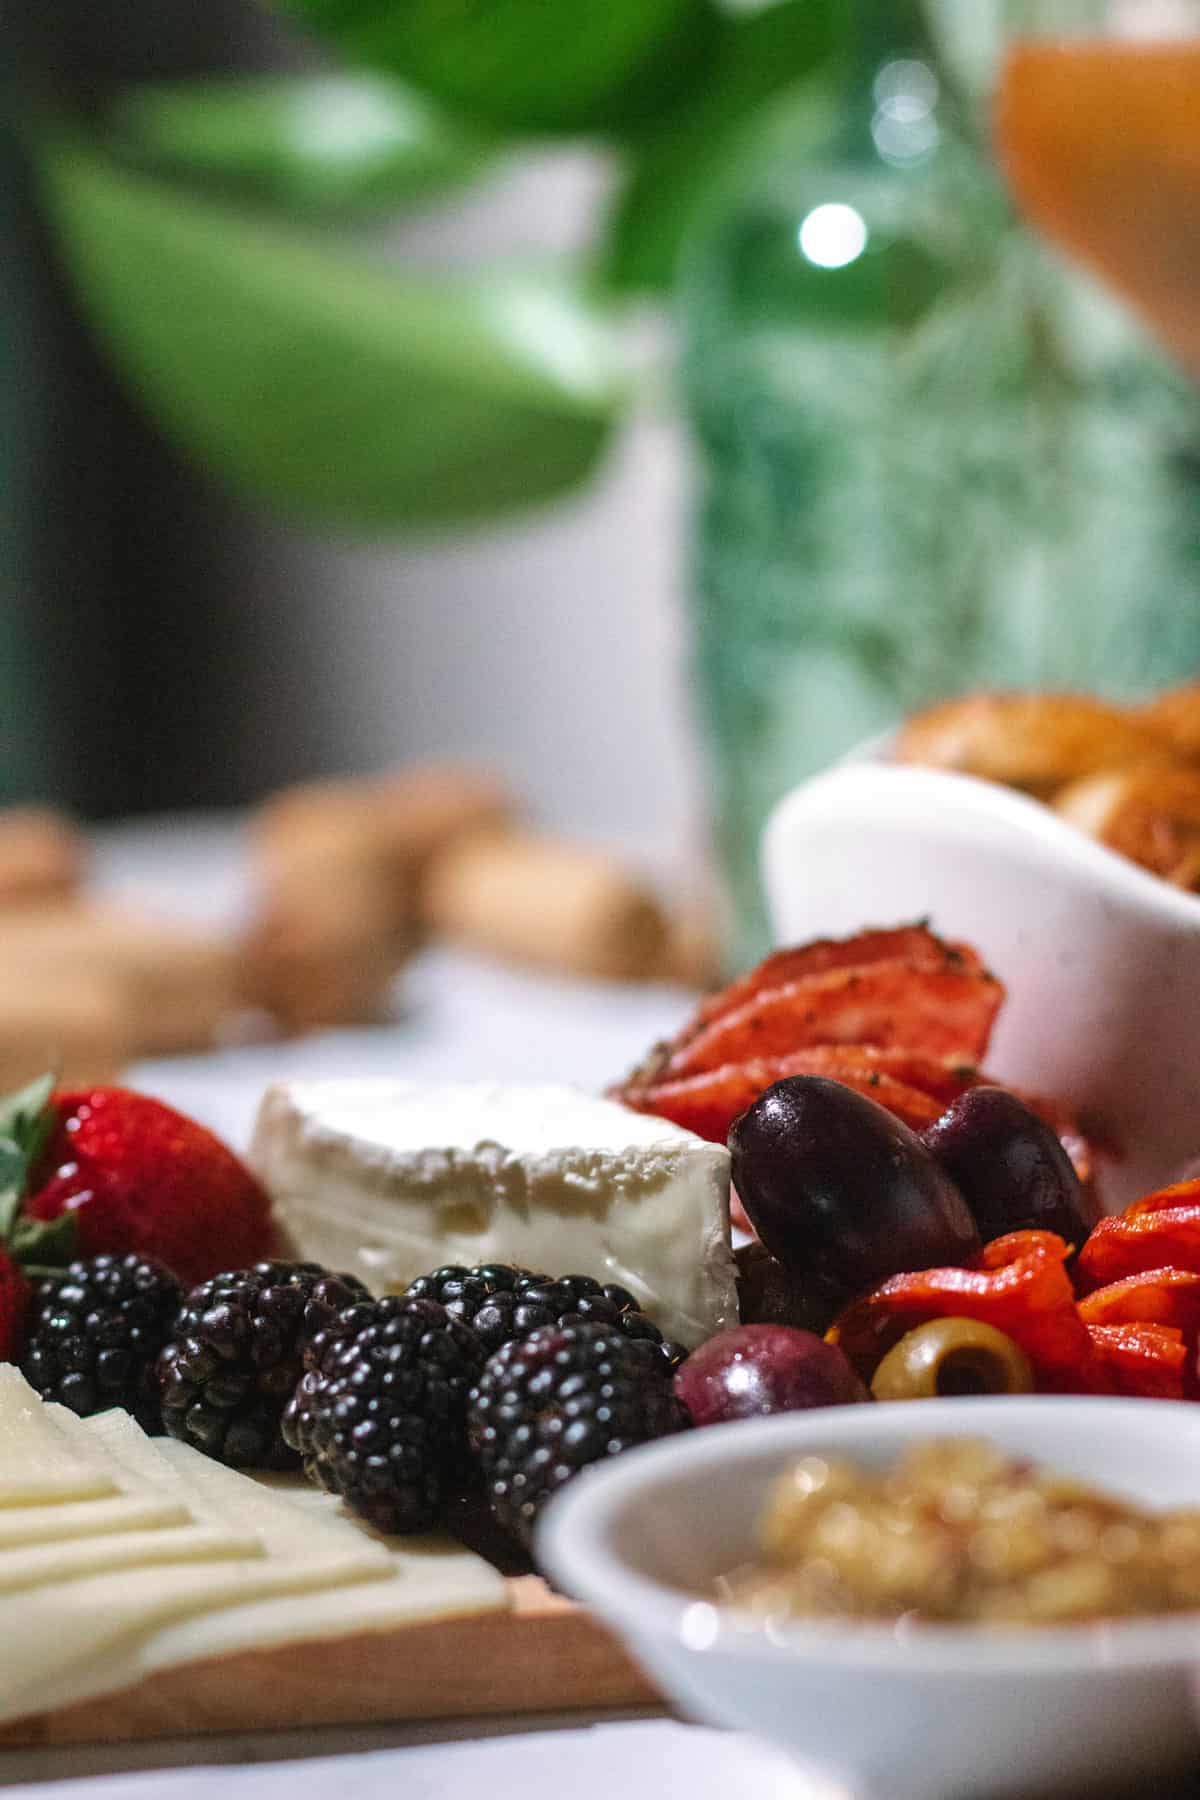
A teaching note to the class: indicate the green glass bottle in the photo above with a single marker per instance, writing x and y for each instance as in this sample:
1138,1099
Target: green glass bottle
931,456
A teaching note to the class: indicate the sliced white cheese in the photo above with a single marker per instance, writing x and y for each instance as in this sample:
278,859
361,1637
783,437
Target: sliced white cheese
221,1496
38,1464
433,1578
133,1507
72,1640
21,1525
256,1565
288,1530
298,1490
35,1565
389,1179
64,1643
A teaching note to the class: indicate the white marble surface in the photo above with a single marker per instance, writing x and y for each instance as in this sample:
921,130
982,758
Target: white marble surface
453,1017
650,1759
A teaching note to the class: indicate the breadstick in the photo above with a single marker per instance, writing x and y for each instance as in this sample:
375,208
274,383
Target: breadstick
692,956
562,906
42,856
396,822
1151,815
322,948
427,806
318,827
76,1023
1176,714
178,982
1033,741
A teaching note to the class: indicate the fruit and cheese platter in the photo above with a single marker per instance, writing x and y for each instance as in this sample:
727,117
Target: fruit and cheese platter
277,1431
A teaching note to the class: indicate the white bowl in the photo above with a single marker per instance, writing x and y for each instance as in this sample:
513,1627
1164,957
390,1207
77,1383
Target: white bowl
1101,959
904,1713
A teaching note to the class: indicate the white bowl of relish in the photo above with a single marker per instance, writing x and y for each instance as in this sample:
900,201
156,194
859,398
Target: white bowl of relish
904,1709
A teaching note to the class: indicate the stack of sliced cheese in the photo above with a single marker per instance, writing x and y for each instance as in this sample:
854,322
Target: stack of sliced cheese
121,1555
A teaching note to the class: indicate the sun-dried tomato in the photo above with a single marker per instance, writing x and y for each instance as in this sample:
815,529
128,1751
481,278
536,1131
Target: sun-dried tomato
915,945
708,1104
899,1014
944,1011
1018,1283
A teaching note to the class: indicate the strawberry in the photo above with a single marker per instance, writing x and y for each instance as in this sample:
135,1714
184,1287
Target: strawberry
120,1172
14,1309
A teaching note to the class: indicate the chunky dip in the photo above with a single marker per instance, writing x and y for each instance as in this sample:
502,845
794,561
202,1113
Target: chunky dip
957,1532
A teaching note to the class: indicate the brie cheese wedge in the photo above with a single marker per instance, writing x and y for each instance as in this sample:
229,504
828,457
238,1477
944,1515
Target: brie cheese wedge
390,1179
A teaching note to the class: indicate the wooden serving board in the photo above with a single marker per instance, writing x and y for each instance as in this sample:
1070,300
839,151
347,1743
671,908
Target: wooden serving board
545,1655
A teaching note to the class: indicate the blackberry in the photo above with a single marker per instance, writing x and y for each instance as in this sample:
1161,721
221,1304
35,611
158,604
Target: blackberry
500,1304
550,1404
96,1333
379,1417
236,1355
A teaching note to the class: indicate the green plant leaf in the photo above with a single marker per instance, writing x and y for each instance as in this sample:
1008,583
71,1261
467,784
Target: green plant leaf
680,161
308,142
529,65
323,382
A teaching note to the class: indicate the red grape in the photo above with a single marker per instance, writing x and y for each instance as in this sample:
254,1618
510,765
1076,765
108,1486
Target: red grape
753,1370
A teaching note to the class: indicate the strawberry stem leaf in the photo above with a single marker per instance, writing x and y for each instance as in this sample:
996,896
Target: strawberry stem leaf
27,1117
47,1244
13,1171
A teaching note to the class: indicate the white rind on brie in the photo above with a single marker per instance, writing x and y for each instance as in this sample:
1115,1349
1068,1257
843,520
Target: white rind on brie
390,1179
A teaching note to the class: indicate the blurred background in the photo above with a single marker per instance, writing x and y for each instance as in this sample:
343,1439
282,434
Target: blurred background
176,637
642,407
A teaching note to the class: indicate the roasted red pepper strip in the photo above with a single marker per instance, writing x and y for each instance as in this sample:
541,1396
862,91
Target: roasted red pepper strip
1158,1297
1018,1283
1144,1361
1180,1193
1160,1232
1155,1297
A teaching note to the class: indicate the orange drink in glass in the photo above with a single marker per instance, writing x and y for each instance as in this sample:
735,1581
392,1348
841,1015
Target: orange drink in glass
1100,142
